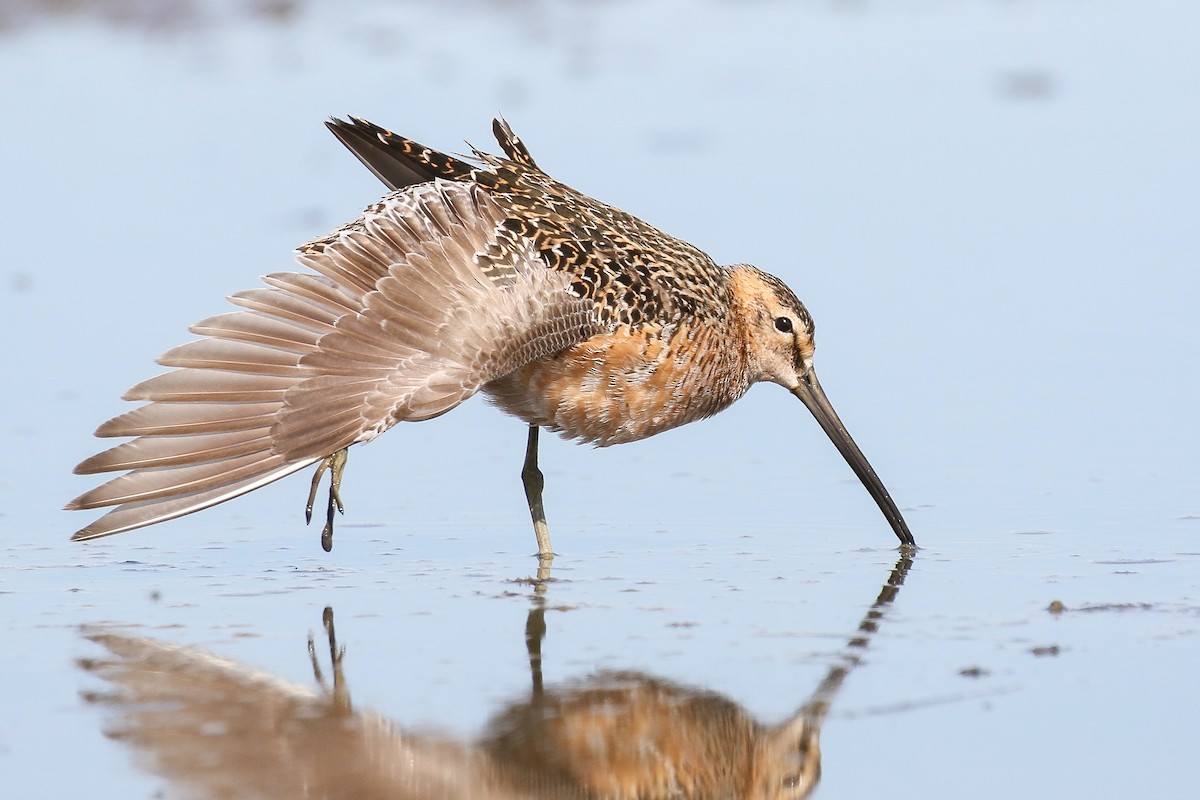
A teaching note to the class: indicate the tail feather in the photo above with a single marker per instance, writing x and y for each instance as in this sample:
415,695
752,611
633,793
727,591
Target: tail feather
397,161
511,144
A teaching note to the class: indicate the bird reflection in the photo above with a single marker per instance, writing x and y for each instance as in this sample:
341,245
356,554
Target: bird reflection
213,728
632,735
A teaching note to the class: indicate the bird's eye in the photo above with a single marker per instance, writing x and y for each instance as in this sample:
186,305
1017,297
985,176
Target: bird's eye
783,324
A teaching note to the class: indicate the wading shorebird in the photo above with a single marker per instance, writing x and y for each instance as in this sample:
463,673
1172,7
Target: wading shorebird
471,275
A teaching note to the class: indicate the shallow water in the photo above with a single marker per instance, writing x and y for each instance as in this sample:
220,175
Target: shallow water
989,209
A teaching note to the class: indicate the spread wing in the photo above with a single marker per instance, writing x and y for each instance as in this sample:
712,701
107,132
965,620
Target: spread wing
412,309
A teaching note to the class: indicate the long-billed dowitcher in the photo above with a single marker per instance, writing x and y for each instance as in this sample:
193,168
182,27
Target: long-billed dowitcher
471,275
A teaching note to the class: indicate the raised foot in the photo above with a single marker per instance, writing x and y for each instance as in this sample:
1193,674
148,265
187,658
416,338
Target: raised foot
336,464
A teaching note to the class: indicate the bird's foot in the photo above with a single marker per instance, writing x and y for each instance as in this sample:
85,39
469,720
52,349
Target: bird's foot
336,464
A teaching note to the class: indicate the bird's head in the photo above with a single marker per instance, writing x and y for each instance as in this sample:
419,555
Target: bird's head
778,333
778,328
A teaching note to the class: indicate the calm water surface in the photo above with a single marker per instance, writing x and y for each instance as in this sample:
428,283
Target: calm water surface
989,209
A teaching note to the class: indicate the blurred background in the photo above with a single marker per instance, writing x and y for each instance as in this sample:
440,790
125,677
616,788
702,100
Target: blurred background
989,207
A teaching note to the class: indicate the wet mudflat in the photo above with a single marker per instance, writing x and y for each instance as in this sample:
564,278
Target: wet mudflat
989,210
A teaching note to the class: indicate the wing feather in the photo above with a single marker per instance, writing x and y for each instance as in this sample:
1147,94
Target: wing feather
148,452
155,483
286,306
257,329
403,320
317,289
131,516
210,386
175,419
232,355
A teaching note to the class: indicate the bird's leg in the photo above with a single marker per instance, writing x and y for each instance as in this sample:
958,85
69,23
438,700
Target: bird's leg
312,492
336,464
531,476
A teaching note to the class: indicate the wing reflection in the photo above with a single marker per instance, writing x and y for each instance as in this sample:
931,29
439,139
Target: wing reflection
215,728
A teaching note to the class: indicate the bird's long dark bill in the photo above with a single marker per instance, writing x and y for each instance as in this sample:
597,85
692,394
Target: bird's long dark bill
812,395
